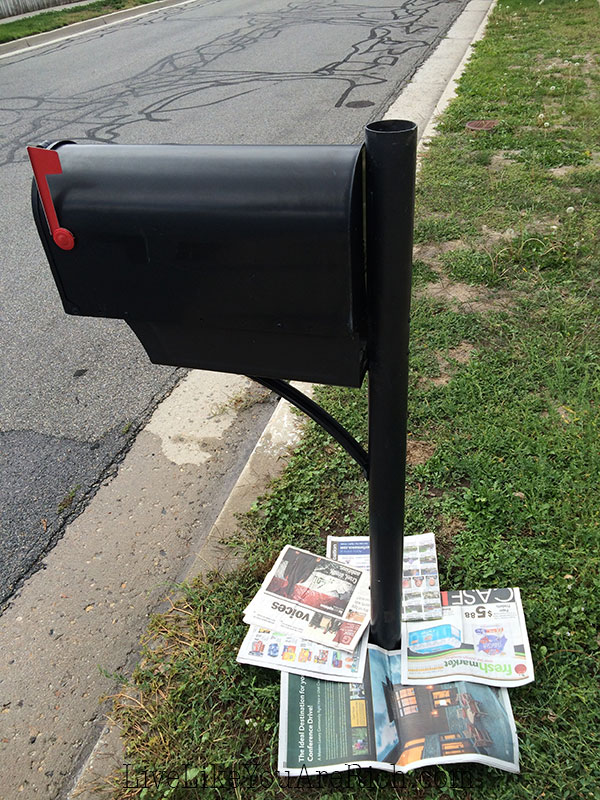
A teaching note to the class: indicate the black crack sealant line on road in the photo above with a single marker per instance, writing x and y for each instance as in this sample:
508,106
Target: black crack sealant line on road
280,262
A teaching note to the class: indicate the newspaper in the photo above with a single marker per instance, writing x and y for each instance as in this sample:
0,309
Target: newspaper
351,550
314,598
481,637
265,648
420,578
383,724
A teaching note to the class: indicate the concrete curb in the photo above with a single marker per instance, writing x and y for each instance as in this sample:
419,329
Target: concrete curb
268,459
28,43
434,83
428,94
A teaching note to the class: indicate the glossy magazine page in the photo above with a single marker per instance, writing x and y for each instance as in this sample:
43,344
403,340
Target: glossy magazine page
384,724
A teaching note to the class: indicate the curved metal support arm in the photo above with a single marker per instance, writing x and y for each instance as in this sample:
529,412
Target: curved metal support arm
325,420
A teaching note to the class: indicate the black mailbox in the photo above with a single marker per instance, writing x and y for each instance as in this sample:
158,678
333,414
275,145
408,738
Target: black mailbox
277,262
246,259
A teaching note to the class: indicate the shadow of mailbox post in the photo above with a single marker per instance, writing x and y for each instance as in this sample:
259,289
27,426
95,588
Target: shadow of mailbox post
277,262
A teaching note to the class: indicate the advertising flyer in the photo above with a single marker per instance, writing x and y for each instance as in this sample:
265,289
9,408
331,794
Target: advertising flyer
481,637
384,724
265,648
420,578
313,598
351,550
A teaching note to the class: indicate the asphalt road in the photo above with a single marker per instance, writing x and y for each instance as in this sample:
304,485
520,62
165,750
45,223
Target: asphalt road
74,391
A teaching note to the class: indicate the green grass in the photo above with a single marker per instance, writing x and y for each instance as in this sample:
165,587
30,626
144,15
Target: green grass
511,489
67,500
51,20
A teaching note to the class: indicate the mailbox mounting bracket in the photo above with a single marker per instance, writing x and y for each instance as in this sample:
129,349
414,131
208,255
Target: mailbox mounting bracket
320,416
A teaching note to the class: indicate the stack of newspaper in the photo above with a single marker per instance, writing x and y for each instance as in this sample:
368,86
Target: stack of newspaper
311,613
309,617
441,699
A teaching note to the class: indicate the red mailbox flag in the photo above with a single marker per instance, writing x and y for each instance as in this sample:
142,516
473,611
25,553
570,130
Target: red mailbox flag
46,162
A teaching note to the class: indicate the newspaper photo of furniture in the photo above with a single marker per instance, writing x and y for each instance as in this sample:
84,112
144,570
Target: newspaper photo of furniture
312,597
481,637
384,724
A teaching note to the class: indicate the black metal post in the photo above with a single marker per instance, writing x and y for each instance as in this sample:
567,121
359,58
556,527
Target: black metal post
390,178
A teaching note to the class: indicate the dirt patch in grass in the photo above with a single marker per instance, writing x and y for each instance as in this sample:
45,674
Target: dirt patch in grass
448,531
566,414
456,355
447,364
496,237
467,298
445,289
418,452
544,223
440,380
431,253
462,353
501,160
560,172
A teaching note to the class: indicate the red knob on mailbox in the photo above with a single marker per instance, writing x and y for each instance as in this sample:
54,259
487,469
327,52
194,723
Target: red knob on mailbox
44,163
